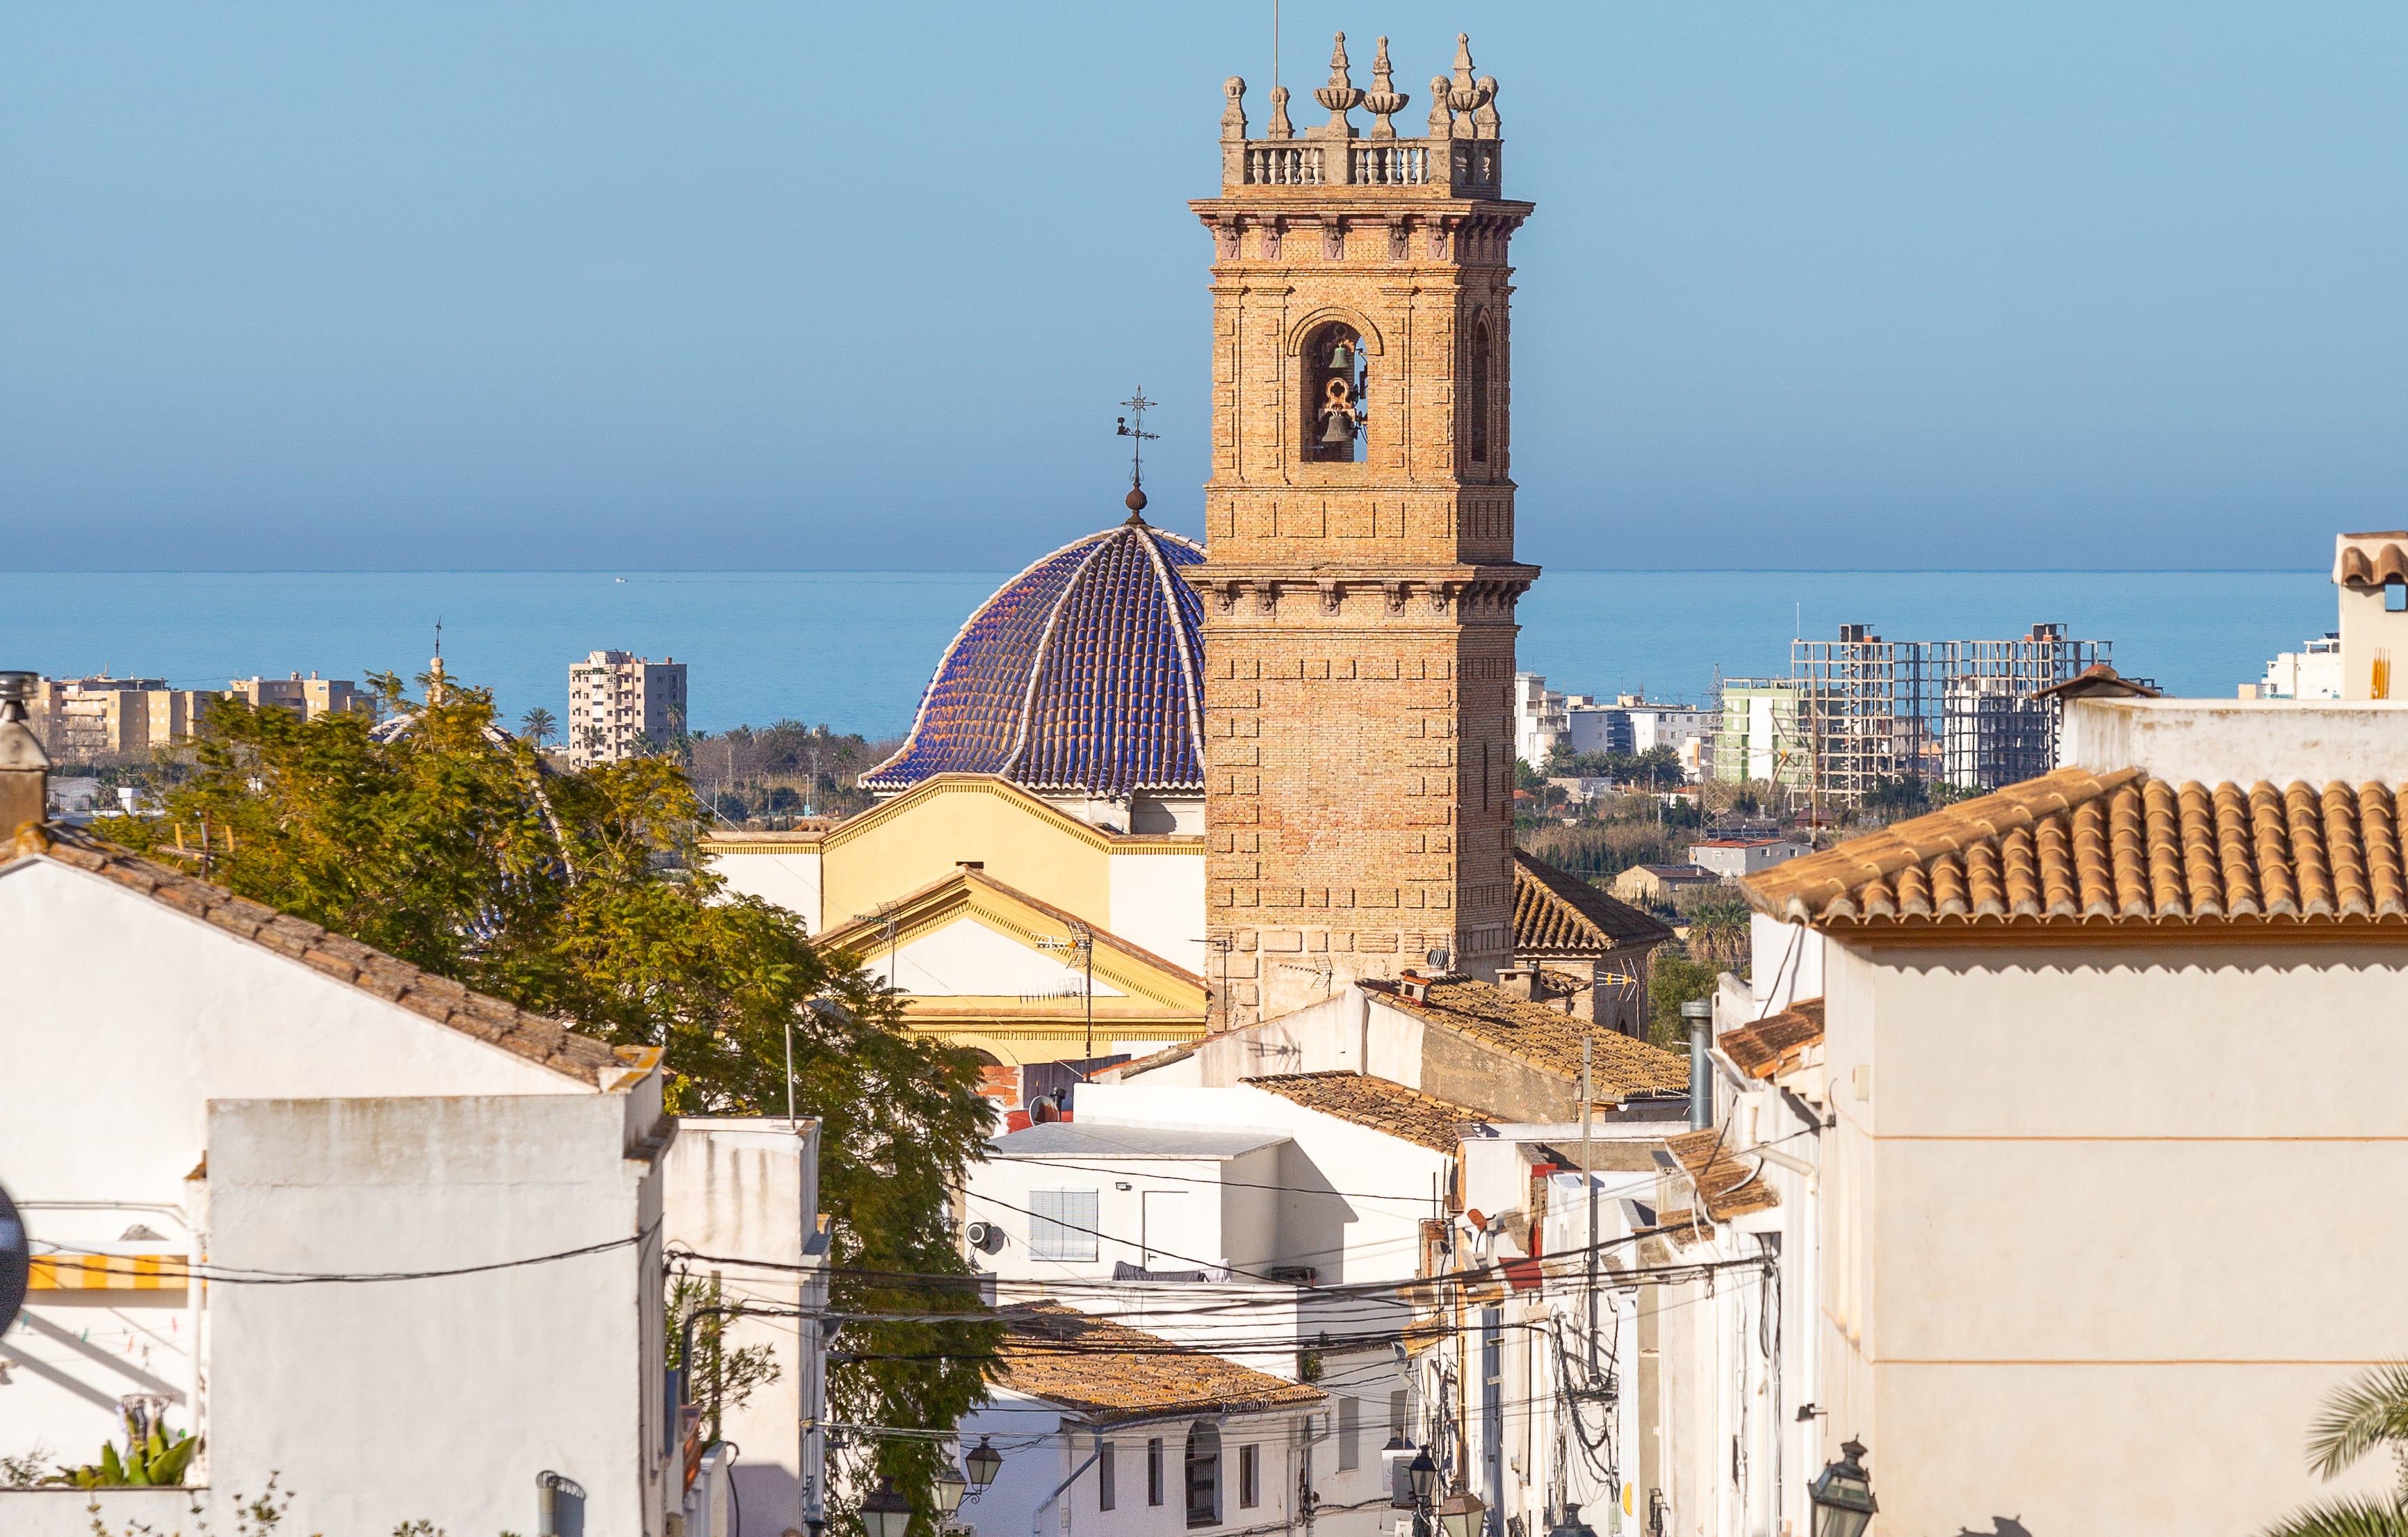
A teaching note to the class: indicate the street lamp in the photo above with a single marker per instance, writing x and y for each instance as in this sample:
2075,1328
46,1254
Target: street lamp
1842,1495
886,1512
1571,1525
1460,1514
1422,1474
950,1487
983,1464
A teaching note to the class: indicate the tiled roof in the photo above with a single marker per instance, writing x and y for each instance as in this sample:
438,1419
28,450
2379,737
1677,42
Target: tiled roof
2081,850
1729,1185
1775,1043
1082,672
1374,1103
1620,1067
2355,566
2096,682
1108,1374
1558,912
540,1039
1678,872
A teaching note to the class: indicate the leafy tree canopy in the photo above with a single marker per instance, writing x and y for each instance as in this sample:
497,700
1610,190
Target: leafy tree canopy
581,895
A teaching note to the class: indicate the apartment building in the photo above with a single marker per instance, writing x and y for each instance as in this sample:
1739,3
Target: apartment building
84,718
620,704
307,698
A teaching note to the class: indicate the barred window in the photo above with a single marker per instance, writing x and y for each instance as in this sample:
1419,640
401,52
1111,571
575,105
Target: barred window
1062,1224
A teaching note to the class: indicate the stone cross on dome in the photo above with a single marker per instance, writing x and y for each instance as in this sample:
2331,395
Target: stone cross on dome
1133,427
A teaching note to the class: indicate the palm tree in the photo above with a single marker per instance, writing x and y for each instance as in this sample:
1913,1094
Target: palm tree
537,727
2369,1413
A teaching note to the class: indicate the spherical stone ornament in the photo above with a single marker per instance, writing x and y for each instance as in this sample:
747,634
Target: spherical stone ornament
1135,500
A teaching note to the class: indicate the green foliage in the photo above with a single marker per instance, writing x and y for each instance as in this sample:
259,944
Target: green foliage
582,896
2368,1414
722,1378
1718,928
1599,852
1659,766
1672,981
154,1462
25,1470
1900,795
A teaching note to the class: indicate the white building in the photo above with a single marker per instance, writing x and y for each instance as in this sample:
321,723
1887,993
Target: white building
1633,724
619,705
240,1096
1733,858
2310,673
1540,718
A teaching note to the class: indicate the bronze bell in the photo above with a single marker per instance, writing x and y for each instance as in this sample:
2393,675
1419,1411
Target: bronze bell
1340,428
1341,358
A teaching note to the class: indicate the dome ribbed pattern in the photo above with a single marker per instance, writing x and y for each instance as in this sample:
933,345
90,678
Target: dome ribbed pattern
1084,672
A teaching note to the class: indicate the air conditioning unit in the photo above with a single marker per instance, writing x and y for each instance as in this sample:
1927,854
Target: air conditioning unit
986,1237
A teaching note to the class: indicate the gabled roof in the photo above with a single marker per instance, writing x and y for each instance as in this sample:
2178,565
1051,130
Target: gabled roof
1108,1374
540,1039
2081,850
2382,558
1620,1067
1406,1114
1556,912
1730,1187
1776,1043
1136,972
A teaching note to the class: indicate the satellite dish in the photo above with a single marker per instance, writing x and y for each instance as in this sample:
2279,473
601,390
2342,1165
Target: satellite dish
16,1261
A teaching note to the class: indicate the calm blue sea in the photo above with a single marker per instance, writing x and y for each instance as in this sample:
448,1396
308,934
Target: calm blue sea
854,648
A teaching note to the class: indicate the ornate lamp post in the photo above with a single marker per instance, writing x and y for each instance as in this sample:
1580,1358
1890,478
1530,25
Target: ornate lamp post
886,1512
1843,1495
982,1465
1460,1514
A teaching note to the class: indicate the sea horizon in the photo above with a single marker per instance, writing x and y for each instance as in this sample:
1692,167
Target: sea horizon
854,648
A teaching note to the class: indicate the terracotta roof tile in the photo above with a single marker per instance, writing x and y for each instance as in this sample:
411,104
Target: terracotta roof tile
1110,1373
534,1036
1557,911
1775,1043
2074,849
1730,1187
1374,1103
1620,1067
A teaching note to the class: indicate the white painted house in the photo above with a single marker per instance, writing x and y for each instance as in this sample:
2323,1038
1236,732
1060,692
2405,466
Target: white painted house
430,1223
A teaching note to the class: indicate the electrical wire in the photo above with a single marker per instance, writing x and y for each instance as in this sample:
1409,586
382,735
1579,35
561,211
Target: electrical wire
246,1277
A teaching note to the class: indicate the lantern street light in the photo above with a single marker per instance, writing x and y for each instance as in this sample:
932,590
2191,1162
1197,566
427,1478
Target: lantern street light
1842,1495
1571,1525
1422,1474
950,1487
982,1465
1460,1514
886,1512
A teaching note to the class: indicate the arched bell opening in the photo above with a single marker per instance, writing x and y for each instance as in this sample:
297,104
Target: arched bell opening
1337,380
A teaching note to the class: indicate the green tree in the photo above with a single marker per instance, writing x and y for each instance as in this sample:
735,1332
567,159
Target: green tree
538,726
1672,981
2369,1413
581,895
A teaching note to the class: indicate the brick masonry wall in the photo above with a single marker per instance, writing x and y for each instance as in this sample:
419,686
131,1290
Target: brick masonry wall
1359,618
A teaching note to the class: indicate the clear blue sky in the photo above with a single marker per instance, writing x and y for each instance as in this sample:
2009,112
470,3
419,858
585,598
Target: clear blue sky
809,285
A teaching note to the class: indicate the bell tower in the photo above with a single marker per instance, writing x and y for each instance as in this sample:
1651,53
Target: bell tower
1359,581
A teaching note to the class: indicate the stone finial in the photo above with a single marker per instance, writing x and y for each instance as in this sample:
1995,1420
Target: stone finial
1463,93
1441,117
1233,117
1278,126
1383,98
1486,123
1339,95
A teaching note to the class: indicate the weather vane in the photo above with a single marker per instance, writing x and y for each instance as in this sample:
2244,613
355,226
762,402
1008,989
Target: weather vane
1133,427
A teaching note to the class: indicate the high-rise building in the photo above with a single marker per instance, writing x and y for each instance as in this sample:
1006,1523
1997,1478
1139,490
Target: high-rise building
1359,580
85,718
619,705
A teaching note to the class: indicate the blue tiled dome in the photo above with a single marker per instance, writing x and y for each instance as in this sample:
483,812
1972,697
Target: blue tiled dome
1084,672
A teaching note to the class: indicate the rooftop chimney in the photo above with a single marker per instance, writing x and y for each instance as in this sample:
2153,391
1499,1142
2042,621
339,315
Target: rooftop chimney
25,766
1698,1013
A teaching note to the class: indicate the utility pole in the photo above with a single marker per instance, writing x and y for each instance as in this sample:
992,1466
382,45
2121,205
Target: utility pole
1589,1180
811,1487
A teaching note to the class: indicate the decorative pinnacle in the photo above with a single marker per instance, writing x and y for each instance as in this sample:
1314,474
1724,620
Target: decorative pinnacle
1279,127
1133,427
1339,95
1233,117
1441,117
1465,94
1486,123
1383,98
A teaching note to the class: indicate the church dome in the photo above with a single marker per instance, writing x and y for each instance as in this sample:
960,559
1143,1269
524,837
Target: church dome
1083,673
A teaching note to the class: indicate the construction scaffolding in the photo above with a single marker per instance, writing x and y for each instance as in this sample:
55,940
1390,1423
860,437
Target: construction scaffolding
1962,713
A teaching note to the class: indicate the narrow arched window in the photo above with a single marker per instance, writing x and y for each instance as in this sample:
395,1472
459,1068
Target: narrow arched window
1476,404
1203,1474
1336,375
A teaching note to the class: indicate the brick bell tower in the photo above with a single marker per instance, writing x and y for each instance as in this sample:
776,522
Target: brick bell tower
1359,580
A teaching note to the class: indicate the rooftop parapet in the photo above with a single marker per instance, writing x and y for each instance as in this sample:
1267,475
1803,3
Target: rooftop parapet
1459,155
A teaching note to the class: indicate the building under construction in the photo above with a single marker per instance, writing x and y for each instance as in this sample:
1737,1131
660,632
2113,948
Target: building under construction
1960,712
